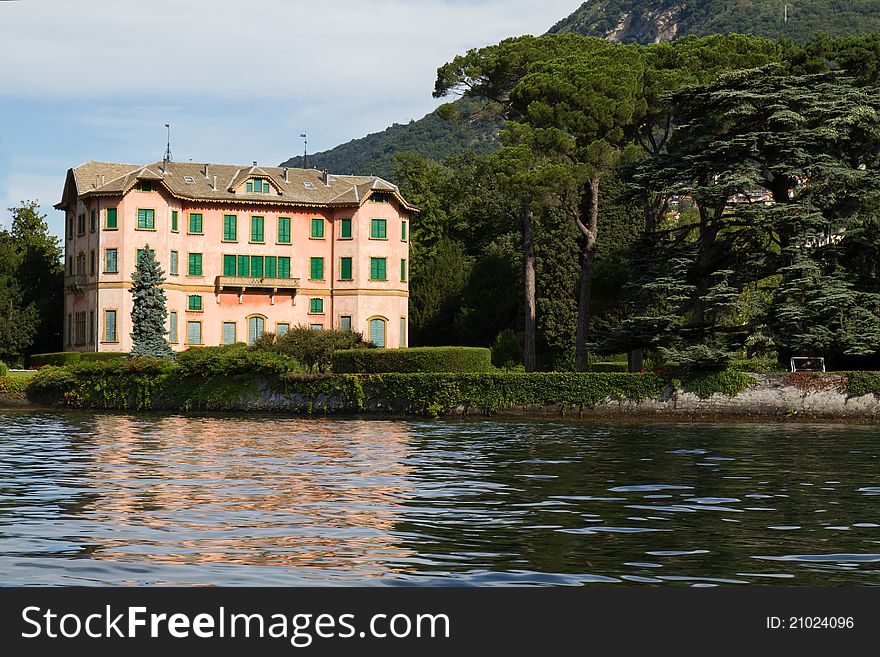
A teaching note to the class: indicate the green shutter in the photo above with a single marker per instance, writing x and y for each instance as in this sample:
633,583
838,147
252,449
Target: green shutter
250,187
112,218
317,269
257,232
109,325
229,265
403,271
147,219
345,269
377,332
271,267
195,264
174,222
317,228
111,265
230,228
195,223
194,302
257,266
283,267
244,265
377,269
378,229
345,230
316,306
403,231
284,230
256,328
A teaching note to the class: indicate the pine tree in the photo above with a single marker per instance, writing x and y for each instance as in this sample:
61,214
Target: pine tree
148,317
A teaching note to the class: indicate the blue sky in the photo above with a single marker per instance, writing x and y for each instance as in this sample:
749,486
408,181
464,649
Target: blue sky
98,79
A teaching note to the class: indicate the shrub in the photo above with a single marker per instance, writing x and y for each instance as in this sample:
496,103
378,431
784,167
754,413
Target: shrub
758,365
233,359
417,359
314,349
859,384
3,369
706,384
609,367
101,356
507,350
13,387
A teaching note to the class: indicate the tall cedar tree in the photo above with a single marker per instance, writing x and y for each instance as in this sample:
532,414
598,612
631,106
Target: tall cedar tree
149,314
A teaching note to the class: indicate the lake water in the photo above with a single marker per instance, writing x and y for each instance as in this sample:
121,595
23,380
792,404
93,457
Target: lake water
91,499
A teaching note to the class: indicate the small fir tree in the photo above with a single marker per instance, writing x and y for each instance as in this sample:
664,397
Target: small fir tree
148,317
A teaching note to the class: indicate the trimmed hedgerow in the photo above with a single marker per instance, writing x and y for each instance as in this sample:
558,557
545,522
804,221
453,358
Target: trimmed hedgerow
13,386
859,384
234,359
706,384
414,360
62,358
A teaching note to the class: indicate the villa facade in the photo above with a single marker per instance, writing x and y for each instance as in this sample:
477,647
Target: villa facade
245,250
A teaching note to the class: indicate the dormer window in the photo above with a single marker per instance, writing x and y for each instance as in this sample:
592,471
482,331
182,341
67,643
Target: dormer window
145,186
258,186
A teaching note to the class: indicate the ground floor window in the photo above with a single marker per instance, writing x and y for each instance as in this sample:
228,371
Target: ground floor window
282,329
345,323
402,332
256,328
80,328
110,330
172,327
228,332
377,332
194,333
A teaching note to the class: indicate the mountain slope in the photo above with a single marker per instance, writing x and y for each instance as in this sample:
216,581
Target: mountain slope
648,21
642,21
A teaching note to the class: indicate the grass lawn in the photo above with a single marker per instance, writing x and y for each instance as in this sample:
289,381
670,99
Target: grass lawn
22,375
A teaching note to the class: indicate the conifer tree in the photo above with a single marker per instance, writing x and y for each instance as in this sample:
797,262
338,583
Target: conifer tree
148,317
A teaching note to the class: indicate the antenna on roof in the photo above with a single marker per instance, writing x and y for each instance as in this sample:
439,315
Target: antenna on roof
167,157
305,150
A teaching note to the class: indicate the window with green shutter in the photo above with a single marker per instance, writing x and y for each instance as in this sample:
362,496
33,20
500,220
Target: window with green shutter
317,228
194,302
145,186
110,331
196,226
402,270
174,258
111,261
195,264
139,253
377,332
258,233
283,267
345,269
377,269
271,267
257,266
284,230
146,219
403,231
316,306
194,333
174,222
244,265
316,270
230,228
345,229
257,186
229,265
112,219
378,229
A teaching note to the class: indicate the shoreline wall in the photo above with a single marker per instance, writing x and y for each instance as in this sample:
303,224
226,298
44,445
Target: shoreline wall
730,395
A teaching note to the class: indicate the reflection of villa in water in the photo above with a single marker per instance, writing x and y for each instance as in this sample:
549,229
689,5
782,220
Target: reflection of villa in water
298,493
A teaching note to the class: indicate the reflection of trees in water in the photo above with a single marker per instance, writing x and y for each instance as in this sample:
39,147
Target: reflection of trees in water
310,493
540,478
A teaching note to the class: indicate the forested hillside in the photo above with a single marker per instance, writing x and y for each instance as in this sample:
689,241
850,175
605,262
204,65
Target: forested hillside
649,21
642,21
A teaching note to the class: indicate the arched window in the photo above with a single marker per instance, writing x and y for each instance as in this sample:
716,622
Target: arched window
377,331
256,328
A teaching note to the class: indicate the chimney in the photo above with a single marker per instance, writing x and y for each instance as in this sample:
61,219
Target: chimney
255,163
206,172
215,182
285,175
325,176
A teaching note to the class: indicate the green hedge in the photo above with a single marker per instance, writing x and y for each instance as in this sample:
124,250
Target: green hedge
859,384
414,360
62,358
13,386
3,369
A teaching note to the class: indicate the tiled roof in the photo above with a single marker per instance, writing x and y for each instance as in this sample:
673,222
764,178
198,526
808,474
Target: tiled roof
219,182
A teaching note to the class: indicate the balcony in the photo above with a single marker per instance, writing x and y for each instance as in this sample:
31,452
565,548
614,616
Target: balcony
75,283
242,283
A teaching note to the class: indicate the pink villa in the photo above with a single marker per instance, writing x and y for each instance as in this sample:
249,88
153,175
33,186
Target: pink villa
245,250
